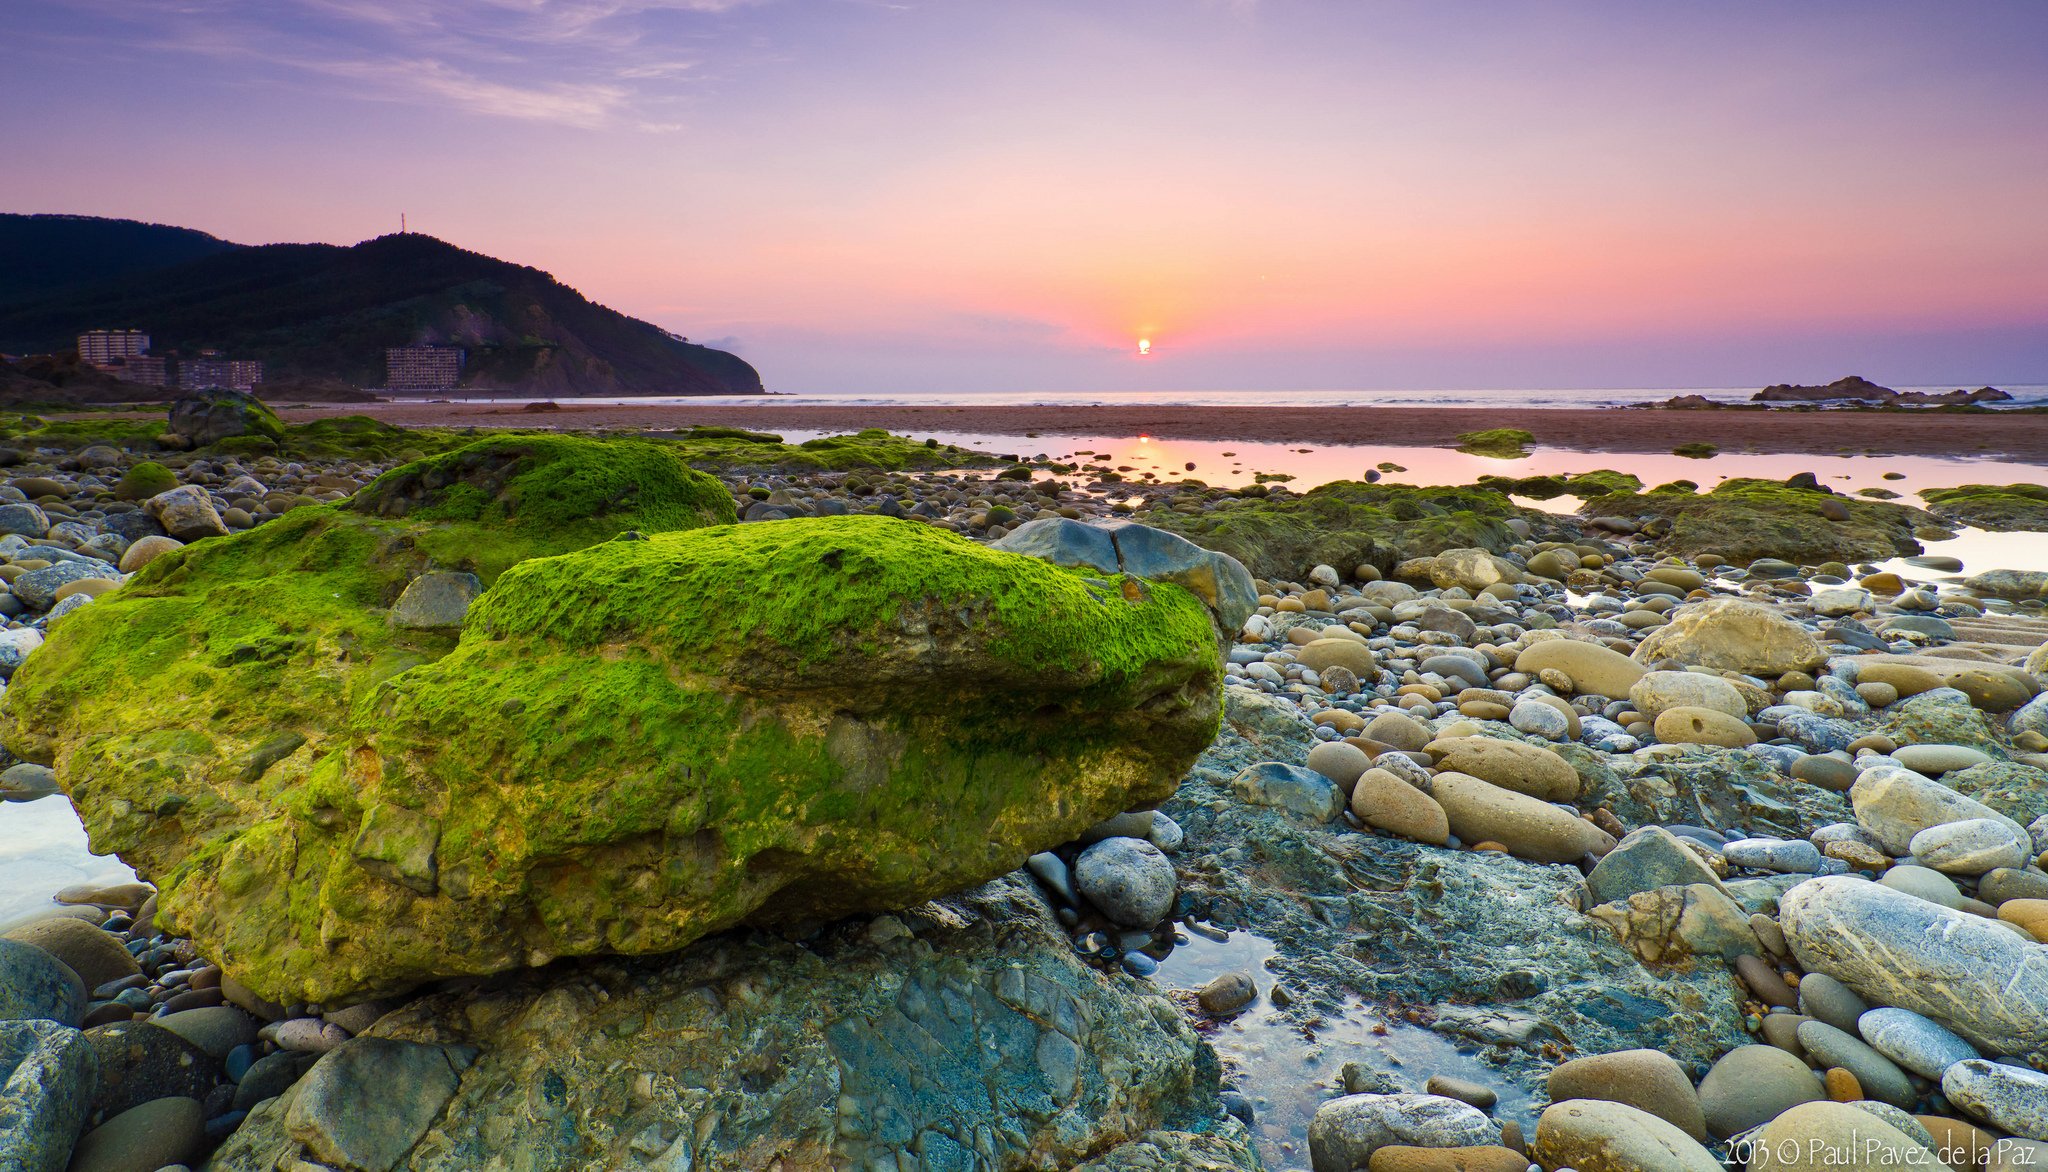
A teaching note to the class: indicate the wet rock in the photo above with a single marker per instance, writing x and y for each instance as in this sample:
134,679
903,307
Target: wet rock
96,956
1301,792
1128,879
150,1136
1347,1131
369,1101
35,986
1644,860
1595,1136
47,1072
2010,1098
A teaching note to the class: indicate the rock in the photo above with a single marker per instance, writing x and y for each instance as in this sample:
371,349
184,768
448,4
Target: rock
965,707
1591,1135
25,519
1523,768
1220,581
436,601
216,1030
1349,654
365,1104
1529,827
186,513
1346,1131
47,1075
1729,634
1399,730
1937,759
26,782
1895,804
1660,691
208,417
1912,1041
1592,668
1301,792
96,956
2031,914
1648,1080
1227,994
1490,1158
1386,802
1340,762
1841,602
1644,860
1471,569
1835,1135
270,1076
143,1138
1995,887
982,1023
1924,883
1971,847
1127,879
1965,973
1830,773
1703,726
37,589
1666,925
1879,1077
1825,999
36,986
1752,1085
140,1061
2010,1098
1784,856
1539,719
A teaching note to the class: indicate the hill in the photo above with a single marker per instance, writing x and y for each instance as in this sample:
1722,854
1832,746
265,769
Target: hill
44,255
325,311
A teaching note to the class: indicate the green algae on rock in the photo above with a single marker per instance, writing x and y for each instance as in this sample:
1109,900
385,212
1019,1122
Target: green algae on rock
1345,523
1499,443
2000,508
631,745
1797,520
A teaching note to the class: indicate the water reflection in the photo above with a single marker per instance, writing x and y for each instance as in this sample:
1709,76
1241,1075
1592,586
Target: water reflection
42,851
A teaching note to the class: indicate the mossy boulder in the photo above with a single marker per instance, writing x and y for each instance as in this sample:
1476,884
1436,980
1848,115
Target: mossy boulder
1346,523
2001,508
210,417
1498,443
1798,520
630,746
145,480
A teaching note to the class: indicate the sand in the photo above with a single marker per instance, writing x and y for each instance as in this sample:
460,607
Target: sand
2015,437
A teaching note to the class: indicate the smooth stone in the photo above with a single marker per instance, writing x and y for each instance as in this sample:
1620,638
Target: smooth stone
2010,1098
1528,827
1924,883
143,1138
1966,1145
1132,824
1933,759
1794,856
37,986
140,1061
436,601
1660,691
2030,914
216,1030
1825,999
1880,1077
1752,1085
1913,1041
369,1101
1592,1135
25,782
270,1076
1830,773
1346,1131
1966,973
1227,993
1350,654
1648,1080
1526,769
1593,669
1384,801
1399,730
1051,871
1729,634
96,956
1489,1158
1765,983
1703,726
1835,1135
1340,762
47,1075
1971,847
1895,804
1127,879
1782,1030
1478,1095
146,549
2005,884
1539,719
1301,792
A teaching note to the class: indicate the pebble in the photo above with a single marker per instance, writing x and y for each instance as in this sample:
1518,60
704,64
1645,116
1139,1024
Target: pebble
1346,1131
1912,1041
1834,1135
1752,1085
37,986
146,1137
1596,1135
1129,880
1528,827
1384,801
1784,856
1878,1076
1971,846
1227,993
2010,1098
1648,1080
1825,999
1526,769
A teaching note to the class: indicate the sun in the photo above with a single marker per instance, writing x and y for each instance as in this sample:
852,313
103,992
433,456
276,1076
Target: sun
1144,347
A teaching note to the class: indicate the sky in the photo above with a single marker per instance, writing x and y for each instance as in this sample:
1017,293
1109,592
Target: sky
935,195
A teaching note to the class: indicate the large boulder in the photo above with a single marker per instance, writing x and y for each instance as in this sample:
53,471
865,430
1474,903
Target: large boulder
209,417
1729,634
1967,973
960,1034
630,746
1142,551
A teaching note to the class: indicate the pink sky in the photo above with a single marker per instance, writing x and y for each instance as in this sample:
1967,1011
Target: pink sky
884,197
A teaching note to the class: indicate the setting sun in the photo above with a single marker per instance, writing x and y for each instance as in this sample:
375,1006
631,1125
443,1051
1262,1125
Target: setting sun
1144,347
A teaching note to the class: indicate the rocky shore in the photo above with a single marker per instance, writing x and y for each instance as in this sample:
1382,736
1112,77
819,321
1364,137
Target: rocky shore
705,802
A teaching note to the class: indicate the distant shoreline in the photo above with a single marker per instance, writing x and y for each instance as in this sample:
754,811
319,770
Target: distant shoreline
2009,435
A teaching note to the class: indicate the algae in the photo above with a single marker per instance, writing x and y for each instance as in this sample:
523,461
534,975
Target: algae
1498,443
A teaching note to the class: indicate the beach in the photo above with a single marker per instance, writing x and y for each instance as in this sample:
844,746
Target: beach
1988,434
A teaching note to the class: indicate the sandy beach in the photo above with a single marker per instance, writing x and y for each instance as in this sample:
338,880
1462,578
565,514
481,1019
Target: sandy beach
2018,437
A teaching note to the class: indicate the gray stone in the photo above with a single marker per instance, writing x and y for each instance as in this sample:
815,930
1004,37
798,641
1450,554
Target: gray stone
1298,791
1912,1041
37,589
1127,879
47,1072
437,601
148,1136
1823,998
1752,1085
1346,1131
2011,1098
27,520
269,1077
1063,542
1966,973
1140,550
1051,871
37,986
1879,1076
1785,856
1540,720
25,782
215,1029
1644,860
1933,759
186,513
1972,846
1895,804
364,1105
140,1061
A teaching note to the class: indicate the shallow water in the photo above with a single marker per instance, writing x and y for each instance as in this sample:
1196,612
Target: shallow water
42,851
1288,1069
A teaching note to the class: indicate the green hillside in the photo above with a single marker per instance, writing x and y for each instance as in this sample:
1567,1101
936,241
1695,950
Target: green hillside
318,310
